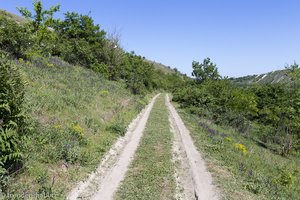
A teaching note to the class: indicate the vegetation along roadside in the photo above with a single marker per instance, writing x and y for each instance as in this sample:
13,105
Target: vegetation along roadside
249,133
67,91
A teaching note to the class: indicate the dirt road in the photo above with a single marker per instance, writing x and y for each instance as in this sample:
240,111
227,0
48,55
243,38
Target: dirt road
102,184
192,172
192,178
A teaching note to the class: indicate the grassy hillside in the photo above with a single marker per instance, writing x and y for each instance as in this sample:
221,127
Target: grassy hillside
75,117
279,76
20,20
250,134
81,91
12,16
162,67
242,168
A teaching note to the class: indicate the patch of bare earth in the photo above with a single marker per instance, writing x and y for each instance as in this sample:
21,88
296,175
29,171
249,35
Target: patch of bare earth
184,181
103,183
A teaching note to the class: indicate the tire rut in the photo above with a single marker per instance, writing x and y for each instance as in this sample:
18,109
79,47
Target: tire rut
192,177
103,183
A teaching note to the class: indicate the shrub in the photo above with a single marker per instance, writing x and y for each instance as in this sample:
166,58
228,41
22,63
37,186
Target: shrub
4,179
286,177
44,185
14,38
118,128
36,59
78,133
101,68
60,143
142,103
11,94
70,151
10,148
81,41
12,118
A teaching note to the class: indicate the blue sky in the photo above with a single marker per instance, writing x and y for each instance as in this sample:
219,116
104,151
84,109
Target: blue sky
241,36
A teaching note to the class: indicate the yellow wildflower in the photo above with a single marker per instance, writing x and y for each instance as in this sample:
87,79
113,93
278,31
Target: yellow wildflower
78,130
20,60
241,148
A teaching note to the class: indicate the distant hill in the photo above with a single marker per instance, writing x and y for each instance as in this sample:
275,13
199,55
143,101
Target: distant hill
279,76
12,16
162,67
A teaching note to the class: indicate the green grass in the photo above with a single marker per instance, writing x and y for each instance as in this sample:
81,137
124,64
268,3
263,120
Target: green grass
151,174
255,174
70,110
163,68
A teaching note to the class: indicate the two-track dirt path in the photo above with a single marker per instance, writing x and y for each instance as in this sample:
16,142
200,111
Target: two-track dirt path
192,178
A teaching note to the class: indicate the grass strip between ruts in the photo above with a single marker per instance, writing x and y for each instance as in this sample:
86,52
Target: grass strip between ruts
150,176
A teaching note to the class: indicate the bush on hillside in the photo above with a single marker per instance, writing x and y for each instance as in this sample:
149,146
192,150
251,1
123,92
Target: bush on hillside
77,40
12,118
14,38
275,106
81,41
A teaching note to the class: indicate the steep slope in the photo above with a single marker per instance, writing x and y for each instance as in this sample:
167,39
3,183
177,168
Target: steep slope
162,67
75,115
159,66
12,16
279,76
242,168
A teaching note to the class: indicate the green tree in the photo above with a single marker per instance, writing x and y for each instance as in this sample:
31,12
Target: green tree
113,54
205,71
279,108
40,23
14,38
137,73
290,115
42,18
81,41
